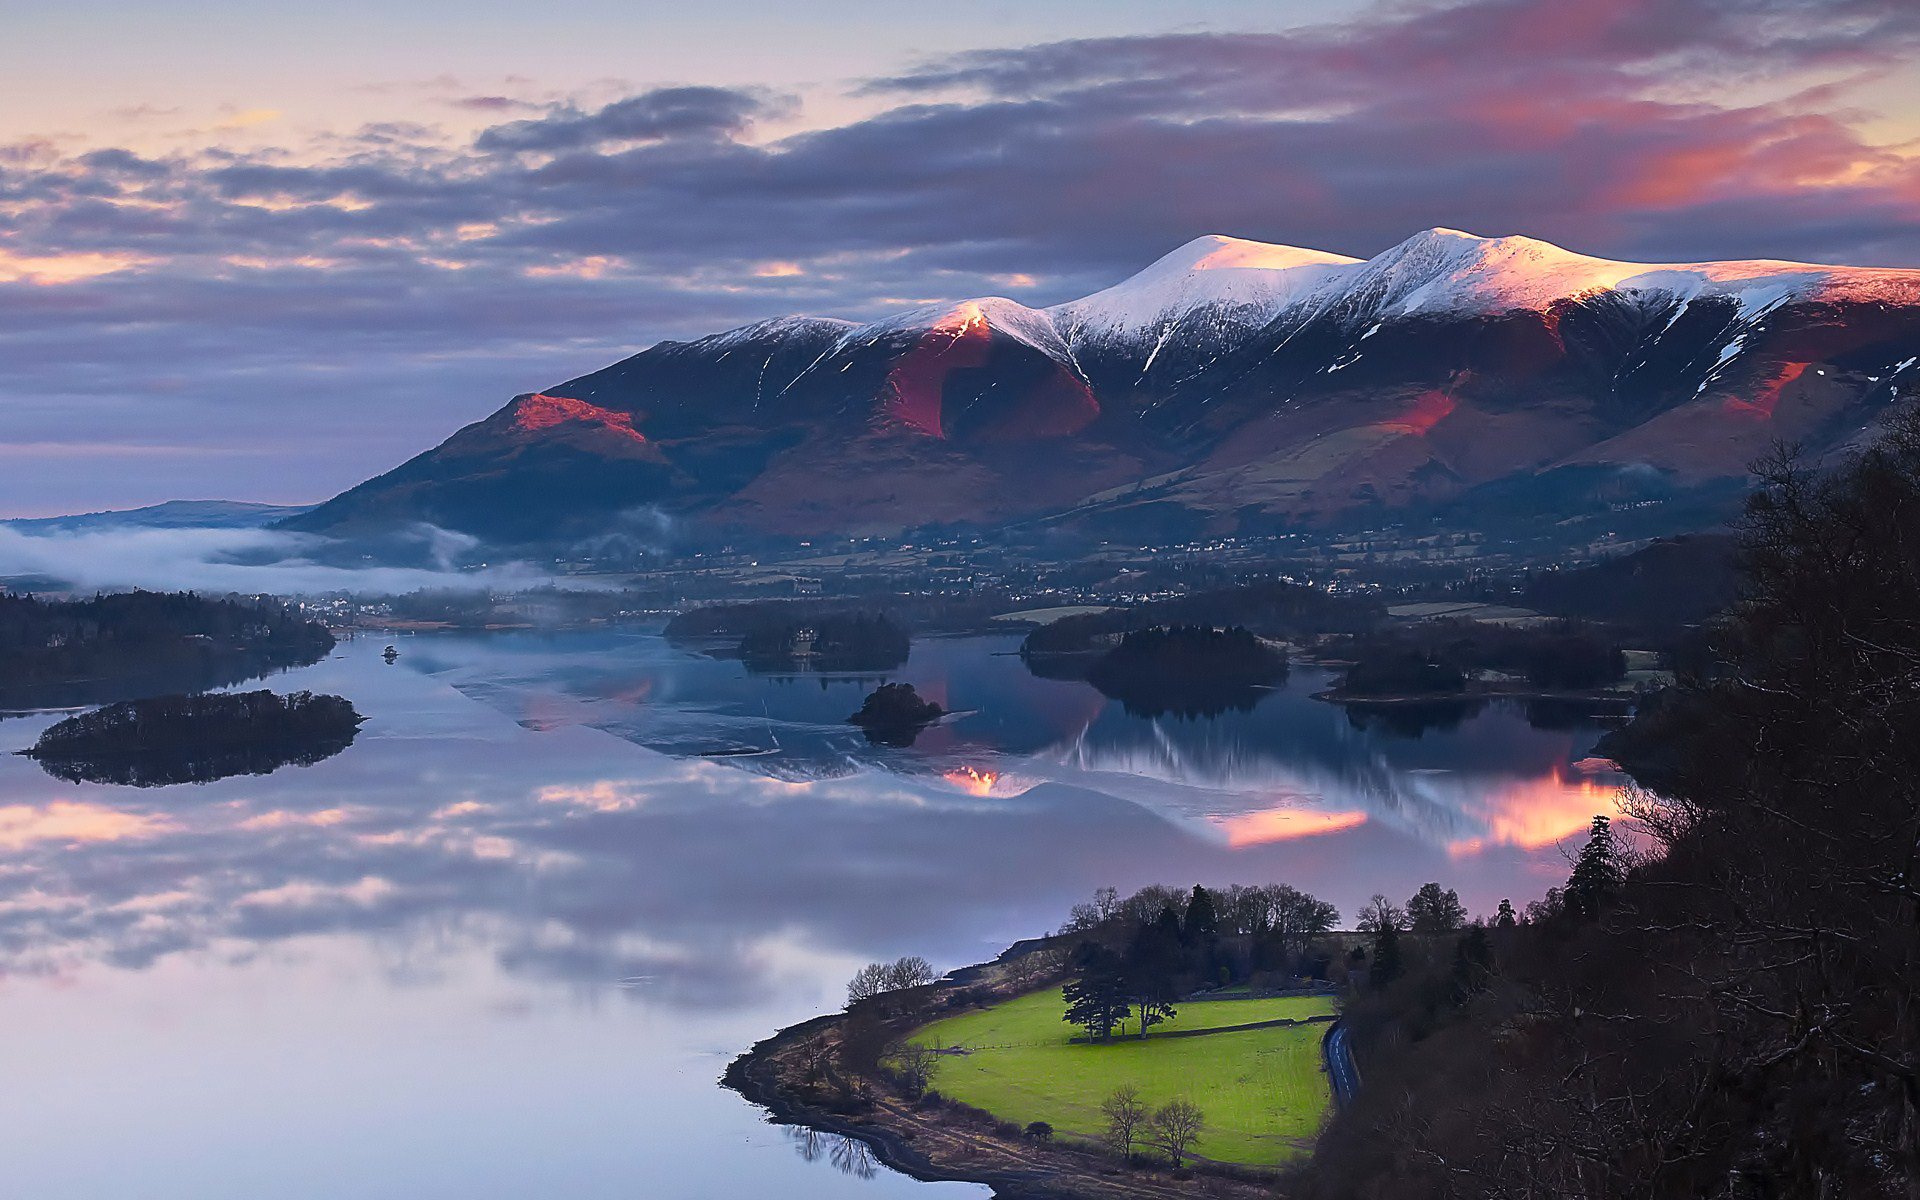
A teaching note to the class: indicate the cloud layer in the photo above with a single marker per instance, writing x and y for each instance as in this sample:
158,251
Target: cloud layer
278,325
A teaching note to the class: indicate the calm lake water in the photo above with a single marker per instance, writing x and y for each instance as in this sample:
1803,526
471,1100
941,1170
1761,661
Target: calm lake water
504,945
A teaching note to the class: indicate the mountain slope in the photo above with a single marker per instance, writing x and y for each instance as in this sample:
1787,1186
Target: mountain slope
1231,384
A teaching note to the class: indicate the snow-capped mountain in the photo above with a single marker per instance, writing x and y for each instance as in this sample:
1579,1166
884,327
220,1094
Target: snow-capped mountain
1230,384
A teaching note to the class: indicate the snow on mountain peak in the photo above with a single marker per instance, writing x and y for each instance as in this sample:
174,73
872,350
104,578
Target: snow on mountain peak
989,313
1216,290
1448,270
1217,251
1233,279
1444,269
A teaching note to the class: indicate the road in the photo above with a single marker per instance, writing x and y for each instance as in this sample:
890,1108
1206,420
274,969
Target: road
1340,1066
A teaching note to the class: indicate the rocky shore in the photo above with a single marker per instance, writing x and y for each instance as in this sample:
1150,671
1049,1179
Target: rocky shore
801,1077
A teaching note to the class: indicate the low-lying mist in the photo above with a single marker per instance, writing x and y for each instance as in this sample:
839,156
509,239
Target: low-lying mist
250,561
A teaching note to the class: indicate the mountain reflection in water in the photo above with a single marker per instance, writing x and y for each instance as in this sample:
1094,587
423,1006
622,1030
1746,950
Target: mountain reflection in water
1454,774
500,949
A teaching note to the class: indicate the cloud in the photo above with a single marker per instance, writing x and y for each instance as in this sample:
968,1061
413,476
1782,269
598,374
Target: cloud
699,112
322,310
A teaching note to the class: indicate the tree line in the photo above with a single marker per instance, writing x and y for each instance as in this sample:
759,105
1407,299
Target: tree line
1136,957
116,646
196,739
1733,1010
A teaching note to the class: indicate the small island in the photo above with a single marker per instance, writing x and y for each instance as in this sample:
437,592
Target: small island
781,636
196,739
893,714
1451,661
1188,670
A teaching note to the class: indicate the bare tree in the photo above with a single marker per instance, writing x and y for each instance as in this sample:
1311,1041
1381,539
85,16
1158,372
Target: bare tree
1125,1115
913,1064
877,978
1381,914
869,981
909,972
1174,1127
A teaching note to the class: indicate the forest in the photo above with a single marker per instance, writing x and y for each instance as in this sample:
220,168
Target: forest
196,739
1187,670
64,653
1724,1000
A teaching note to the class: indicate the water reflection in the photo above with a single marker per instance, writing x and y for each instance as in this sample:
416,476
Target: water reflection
1412,719
849,1156
520,872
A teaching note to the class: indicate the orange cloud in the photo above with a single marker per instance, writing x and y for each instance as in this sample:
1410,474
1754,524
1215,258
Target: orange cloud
605,795
1537,813
1284,825
280,819
594,266
52,269
22,825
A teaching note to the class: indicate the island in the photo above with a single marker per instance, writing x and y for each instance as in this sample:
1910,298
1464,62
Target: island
779,636
1454,660
165,740
1188,670
68,653
893,714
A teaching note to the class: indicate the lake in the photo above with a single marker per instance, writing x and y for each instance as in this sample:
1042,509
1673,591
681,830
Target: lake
505,944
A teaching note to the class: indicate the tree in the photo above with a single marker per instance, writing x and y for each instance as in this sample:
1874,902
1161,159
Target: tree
1472,960
1097,998
1386,956
909,972
1384,922
1380,914
1431,910
1200,933
1090,915
913,1064
1040,1131
1154,962
1202,925
1125,1114
869,981
876,978
1597,873
1174,1127
1505,919
1154,1010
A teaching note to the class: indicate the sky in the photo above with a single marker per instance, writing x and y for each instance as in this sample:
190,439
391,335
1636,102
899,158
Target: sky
262,252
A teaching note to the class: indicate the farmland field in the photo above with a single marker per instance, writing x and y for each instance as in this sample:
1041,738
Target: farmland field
1263,1090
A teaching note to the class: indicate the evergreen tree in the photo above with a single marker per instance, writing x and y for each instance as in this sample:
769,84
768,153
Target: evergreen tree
1597,873
1472,960
1505,919
1203,922
1201,933
1097,999
1386,955
1154,963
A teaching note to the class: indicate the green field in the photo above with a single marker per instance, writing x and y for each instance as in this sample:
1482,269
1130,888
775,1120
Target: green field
1263,1090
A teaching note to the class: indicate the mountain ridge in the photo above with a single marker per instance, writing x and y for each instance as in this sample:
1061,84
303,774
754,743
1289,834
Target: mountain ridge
1228,384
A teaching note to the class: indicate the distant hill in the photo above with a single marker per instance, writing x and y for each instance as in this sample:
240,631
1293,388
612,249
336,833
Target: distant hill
1231,386
173,514
1674,582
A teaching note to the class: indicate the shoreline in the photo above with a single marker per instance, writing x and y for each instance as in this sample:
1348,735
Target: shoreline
1593,696
954,1143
